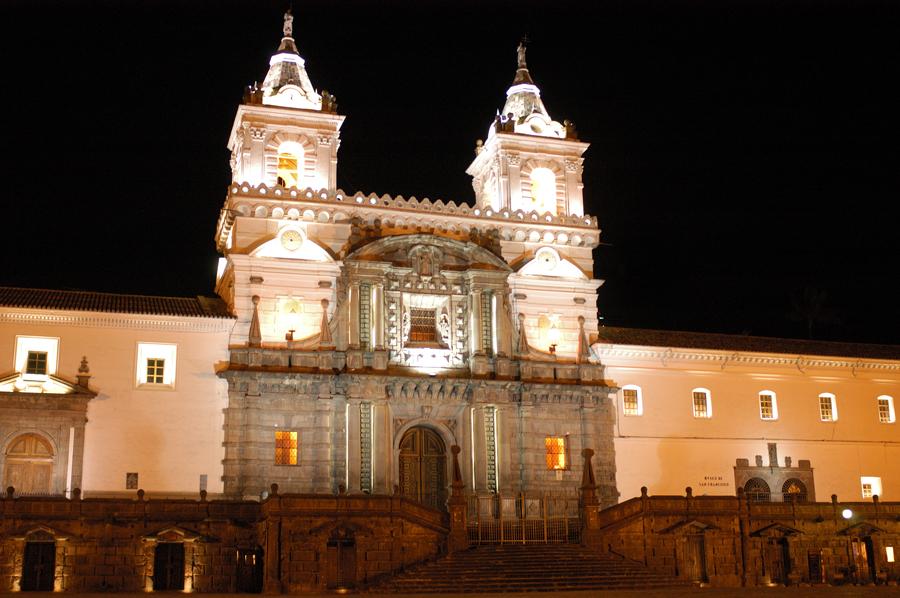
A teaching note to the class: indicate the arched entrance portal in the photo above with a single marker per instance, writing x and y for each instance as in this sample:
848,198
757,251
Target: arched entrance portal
29,465
423,467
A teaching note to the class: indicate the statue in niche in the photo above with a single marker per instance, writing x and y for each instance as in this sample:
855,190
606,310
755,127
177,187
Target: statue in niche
405,324
444,327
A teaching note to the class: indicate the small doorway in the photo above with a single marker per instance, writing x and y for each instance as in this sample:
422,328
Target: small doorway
340,570
250,570
423,467
168,566
777,560
38,567
816,571
863,550
695,558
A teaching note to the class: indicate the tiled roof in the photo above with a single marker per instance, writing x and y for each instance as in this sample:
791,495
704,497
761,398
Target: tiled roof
198,307
751,344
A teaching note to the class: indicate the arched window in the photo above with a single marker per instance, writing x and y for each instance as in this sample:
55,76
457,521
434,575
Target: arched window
632,401
549,333
543,190
768,405
757,490
794,489
886,413
290,163
702,403
29,465
827,407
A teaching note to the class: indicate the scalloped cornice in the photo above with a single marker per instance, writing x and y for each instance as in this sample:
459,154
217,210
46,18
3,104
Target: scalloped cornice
112,320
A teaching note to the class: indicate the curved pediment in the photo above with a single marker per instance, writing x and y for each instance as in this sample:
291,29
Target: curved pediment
429,254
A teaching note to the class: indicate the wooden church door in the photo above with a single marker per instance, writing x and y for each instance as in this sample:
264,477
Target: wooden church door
423,467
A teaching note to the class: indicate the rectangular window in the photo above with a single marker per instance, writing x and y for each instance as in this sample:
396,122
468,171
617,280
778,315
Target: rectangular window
155,368
767,406
36,363
285,448
556,452
131,481
701,404
871,485
827,411
422,325
889,554
631,403
156,365
886,410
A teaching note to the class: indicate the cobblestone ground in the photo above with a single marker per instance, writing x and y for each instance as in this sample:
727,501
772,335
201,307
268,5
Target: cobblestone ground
803,592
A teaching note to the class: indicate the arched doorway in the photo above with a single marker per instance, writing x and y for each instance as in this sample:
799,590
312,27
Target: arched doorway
423,467
29,465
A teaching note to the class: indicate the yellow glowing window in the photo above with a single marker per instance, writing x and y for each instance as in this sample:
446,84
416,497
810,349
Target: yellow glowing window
285,448
543,190
889,554
631,401
288,172
767,406
156,368
556,452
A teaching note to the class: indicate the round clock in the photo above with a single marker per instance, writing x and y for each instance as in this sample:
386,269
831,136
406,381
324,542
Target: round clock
547,258
291,239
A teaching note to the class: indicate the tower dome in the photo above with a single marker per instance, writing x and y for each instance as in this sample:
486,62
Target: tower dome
287,84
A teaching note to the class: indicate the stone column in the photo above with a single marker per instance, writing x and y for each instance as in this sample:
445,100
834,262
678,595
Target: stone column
382,448
353,447
353,315
504,339
590,505
480,449
459,539
378,315
272,570
515,182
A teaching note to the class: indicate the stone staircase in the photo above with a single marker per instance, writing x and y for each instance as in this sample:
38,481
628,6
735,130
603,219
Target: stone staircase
526,568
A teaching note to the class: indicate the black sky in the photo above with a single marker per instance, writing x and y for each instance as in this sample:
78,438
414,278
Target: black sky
741,151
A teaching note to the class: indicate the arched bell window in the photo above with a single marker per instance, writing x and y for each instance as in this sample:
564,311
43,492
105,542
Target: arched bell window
290,161
794,489
543,190
757,490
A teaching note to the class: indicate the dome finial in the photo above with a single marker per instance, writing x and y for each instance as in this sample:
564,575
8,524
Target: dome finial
288,24
521,52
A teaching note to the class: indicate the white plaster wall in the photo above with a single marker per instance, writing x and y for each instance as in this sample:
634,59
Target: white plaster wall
168,436
667,449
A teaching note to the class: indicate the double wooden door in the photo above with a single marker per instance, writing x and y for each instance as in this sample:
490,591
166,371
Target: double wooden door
168,566
29,465
423,467
38,566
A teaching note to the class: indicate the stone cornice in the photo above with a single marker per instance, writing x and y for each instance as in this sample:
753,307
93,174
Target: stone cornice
113,320
724,359
262,201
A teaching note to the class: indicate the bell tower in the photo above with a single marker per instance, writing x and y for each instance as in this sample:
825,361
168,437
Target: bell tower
285,132
529,162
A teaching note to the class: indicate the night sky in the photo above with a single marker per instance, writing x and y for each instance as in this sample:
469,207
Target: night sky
743,162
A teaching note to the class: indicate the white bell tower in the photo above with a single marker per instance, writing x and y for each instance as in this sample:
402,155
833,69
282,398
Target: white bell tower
285,132
529,162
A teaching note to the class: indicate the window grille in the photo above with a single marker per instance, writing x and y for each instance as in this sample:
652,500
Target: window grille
36,363
555,447
766,406
155,370
422,325
365,447
631,401
490,434
285,448
885,410
867,490
826,408
701,404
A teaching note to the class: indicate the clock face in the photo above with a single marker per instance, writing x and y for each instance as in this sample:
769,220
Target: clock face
547,258
291,239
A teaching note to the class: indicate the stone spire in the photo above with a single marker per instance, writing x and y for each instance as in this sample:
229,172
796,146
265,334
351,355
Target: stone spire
524,112
286,83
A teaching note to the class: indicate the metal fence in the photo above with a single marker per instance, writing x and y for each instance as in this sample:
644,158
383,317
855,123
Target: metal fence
523,518
799,497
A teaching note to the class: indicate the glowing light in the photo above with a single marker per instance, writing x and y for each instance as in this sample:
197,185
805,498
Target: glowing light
889,554
543,191
846,513
523,88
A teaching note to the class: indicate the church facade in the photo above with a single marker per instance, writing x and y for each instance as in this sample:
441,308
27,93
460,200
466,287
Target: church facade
358,338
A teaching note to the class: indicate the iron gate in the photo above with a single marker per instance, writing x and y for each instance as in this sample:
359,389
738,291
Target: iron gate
523,518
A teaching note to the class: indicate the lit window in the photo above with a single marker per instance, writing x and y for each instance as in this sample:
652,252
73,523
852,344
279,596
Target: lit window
827,407
285,448
543,190
556,452
36,363
768,406
871,485
290,157
889,554
702,403
886,409
422,328
156,365
36,355
632,404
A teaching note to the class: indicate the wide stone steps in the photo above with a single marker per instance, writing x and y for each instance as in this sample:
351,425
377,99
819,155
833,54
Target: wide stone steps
523,568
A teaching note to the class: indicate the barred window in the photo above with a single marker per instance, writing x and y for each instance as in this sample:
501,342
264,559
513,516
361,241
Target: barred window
285,448
631,400
422,325
36,363
156,367
827,407
768,408
702,403
886,410
871,485
556,452
867,490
